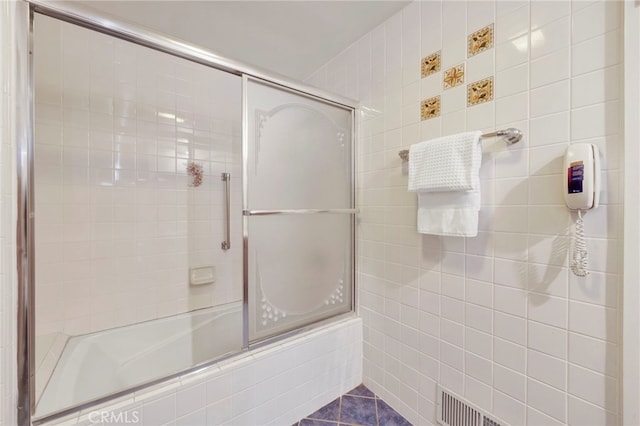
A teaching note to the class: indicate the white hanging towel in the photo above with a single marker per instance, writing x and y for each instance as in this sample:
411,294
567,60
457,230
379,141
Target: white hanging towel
444,173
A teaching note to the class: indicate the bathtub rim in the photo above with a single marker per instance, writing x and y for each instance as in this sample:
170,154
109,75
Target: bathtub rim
202,367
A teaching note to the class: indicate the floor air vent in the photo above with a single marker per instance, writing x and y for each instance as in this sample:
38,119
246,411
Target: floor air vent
455,411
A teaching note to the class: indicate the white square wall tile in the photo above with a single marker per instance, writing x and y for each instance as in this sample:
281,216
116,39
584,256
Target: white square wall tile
510,328
478,367
594,354
512,108
512,25
596,120
478,342
596,388
478,317
512,81
510,300
453,22
512,53
544,12
452,379
599,86
598,18
480,66
509,354
452,332
582,412
535,417
600,289
431,27
550,220
513,162
160,411
546,399
511,218
547,339
551,37
546,190
478,293
477,393
454,99
510,382
481,117
454,122
547,369
452,309
550,99
550,68
480,14
548,130
596,53
510,273
452,356
507,408
594,321
548,310
454,51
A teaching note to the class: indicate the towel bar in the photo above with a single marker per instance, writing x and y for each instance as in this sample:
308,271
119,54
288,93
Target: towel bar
510,135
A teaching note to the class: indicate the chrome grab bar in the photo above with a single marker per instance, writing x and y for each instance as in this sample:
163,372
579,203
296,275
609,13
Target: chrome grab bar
298,211
226,178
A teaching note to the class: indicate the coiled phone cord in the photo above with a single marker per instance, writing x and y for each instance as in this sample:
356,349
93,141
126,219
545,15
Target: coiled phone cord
580,254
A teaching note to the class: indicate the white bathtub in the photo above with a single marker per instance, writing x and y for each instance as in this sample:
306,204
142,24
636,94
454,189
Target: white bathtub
99,364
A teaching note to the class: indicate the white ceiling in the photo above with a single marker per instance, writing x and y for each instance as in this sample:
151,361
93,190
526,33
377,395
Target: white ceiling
293,38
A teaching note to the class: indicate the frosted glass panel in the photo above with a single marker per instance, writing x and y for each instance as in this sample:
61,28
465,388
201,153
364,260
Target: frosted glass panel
299,158
300,270
299,151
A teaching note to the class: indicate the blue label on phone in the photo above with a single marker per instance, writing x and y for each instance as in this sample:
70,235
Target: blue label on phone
575,176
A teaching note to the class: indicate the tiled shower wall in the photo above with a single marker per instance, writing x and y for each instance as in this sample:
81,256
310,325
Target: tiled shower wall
499,319
119,221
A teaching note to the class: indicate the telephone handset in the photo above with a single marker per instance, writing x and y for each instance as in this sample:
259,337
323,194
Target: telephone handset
581,192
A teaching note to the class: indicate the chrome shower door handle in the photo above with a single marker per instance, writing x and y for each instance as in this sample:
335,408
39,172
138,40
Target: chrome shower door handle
226,178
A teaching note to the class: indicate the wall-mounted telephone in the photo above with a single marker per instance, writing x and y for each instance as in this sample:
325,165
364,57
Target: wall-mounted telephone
581,192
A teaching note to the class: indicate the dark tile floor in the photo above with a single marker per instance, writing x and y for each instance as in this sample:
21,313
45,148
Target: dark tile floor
359,406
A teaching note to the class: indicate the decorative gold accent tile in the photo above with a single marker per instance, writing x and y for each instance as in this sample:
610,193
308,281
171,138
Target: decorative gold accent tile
480,41
480,91
430,108
431,64
454,76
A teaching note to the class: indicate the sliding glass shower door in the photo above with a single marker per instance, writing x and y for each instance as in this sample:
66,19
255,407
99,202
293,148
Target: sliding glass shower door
298,209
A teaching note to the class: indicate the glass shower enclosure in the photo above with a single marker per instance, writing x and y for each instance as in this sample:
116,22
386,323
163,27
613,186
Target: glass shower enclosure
183,211
298,209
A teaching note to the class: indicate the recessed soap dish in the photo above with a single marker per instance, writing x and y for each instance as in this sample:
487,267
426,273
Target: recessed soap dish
202,275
